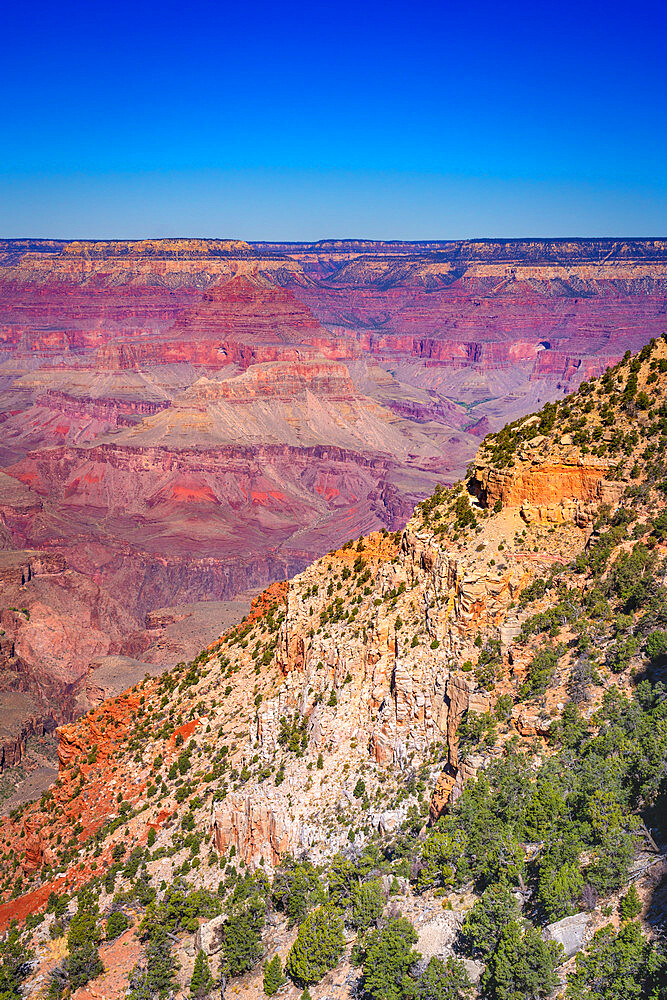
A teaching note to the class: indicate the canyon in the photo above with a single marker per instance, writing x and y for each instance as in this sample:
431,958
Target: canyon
186,421
416,711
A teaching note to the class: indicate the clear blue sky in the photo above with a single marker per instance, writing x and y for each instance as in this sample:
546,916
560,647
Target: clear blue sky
303,121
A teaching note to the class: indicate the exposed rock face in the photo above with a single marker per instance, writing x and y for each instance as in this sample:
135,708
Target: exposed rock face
547,485
462,596
256,828
570,932
33,844
210,936
438,936
17,733
54,621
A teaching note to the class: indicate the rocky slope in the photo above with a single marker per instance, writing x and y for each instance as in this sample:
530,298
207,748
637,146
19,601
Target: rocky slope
435,712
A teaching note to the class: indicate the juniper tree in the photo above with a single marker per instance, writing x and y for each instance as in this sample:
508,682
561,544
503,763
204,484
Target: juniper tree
318,946
201,983
84,962
388,960
273,976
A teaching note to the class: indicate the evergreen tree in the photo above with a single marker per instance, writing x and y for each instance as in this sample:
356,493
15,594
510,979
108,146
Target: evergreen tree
273,976
443,981
559,889
630,905
201,983
16,959
483,925
522,967
139,984
57,983
318,946
297,887
84,962
368,902
242,936
160,963
388,960
117,922
619,966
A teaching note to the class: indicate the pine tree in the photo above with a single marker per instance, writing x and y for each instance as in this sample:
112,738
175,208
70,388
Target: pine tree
117,922
201,983
389,958
242,941
318,946
621,965
368,902
484,922
16,959
273,976
443,981
160,963
84,962
523,965
139,986
630,905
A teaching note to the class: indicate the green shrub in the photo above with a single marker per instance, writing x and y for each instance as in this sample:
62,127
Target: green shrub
161,965
368,902
620,652
442,854
503,709
117,922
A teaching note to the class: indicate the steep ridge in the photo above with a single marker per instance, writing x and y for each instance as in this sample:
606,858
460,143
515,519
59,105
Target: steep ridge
467,716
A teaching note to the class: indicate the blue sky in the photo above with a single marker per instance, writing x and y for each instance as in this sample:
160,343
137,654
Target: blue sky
295,121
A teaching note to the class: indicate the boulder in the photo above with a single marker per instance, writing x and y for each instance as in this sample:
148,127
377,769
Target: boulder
209,937
474,969
437,936
571,932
